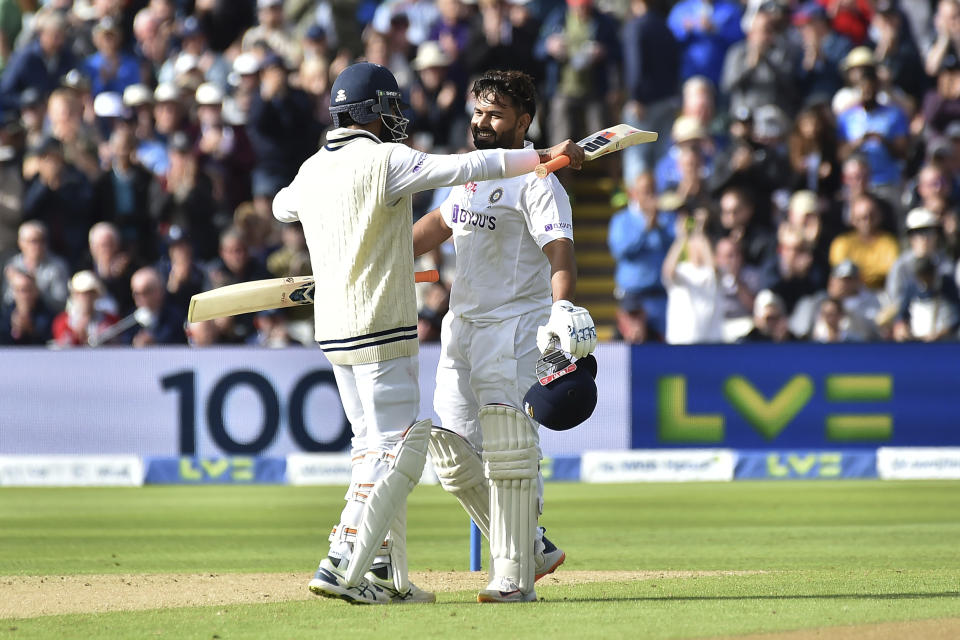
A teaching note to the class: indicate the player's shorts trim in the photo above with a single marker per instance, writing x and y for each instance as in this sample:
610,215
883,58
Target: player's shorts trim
364,341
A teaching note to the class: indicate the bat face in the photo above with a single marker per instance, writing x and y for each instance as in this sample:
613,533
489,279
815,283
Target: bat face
613,139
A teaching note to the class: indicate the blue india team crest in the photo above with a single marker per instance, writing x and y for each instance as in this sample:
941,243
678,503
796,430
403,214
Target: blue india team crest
496,195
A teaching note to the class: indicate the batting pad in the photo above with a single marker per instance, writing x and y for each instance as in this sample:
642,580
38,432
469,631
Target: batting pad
510,463
388,498
460,471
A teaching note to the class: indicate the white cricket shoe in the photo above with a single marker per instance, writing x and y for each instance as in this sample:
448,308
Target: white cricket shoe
329,582
505,590
413,594
546,556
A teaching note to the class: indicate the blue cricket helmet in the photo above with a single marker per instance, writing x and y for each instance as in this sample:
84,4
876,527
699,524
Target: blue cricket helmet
569,396
366,91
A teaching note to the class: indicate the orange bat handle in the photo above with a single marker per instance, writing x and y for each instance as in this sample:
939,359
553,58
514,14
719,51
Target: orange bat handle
548,167
431,275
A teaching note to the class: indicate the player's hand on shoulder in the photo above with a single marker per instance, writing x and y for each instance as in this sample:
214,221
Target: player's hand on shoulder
573,326
566,148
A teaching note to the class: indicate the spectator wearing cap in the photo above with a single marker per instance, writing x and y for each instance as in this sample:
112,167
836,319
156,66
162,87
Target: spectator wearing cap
818,69
169,113
924,240
632,325
651,56
878,131
182,275
417,16
896,51
436,99
50,272
160,320
112,265
11,181
580,48
807,214
121,194
82,319
687,131
941,105
245,82
184,197
151,151
282,130
812,149
705,31
765,166
316,45
273,30
225,152
110,68
759,70
869,247
770,322
946,25
861,305
39,64
211,66
33,115
59,196
639,237
26,320
930,308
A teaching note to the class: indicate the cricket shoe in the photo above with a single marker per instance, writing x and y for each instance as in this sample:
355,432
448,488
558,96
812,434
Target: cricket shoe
505,590
381,576
546,556
329,582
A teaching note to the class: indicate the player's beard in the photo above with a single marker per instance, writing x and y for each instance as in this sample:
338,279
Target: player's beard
504,140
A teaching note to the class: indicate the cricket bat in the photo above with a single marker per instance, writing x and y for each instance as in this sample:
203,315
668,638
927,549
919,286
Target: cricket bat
599,144
258,295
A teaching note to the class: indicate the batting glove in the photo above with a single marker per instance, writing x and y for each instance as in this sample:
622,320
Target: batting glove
573,326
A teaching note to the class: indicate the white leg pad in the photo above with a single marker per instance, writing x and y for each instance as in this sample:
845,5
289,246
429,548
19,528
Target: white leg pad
387,498
511,460
460,470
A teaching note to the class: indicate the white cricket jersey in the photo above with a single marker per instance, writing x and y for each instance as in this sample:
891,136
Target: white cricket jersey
499,230
353,199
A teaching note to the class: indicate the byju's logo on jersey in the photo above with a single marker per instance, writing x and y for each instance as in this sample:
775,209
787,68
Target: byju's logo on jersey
341,95
496,195
472,218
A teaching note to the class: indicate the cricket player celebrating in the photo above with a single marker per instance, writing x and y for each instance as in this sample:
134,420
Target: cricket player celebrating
353,198
514,244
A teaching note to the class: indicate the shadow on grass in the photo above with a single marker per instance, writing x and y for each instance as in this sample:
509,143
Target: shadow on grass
824,596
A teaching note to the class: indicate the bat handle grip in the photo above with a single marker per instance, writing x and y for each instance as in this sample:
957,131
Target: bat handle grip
430,275
548,167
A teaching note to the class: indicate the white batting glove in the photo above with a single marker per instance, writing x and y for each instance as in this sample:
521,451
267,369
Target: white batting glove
573,326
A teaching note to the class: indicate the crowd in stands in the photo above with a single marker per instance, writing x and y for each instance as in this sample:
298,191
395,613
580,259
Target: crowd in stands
804,187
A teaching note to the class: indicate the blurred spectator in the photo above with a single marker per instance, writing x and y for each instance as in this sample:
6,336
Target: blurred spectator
79,140
460,38
687,131
282,130
419,15
850,18
896,50
184,198
112,266
82,320
224,20
759,70
235,264
245,80
272,30
794,274
193,42
511,31
694,311
871,249
639,237
855,173
818,71
946,25
151,152
202,334
316,45
436,303
59,196
833,323
271,330
50,272
40,64
182,276
650,59
739,285
226,154
153,37
160,320
924,233
941,105
760,161
930,309
33,116
110,68
25,320
314,78
813,151
169,114
632,324
581,49
11,180
260,234
875,130
769,320
391,50
437,102
292,258
739,221
804,216
121,195
861,305
705,30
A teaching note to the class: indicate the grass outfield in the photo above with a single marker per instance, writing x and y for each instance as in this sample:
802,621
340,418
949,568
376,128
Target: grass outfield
712,560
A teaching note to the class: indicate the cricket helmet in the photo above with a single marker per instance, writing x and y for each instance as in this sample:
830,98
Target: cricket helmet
565,393
366,91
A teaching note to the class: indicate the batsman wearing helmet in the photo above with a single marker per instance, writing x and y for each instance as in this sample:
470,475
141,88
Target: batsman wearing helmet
353,198
514,243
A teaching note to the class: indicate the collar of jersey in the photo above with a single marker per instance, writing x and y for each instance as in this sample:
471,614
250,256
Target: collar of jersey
342,136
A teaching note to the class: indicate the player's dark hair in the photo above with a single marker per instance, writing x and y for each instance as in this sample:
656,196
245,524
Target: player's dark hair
516,85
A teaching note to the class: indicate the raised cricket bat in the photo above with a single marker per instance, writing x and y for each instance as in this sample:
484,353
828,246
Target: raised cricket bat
258,295
599,144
